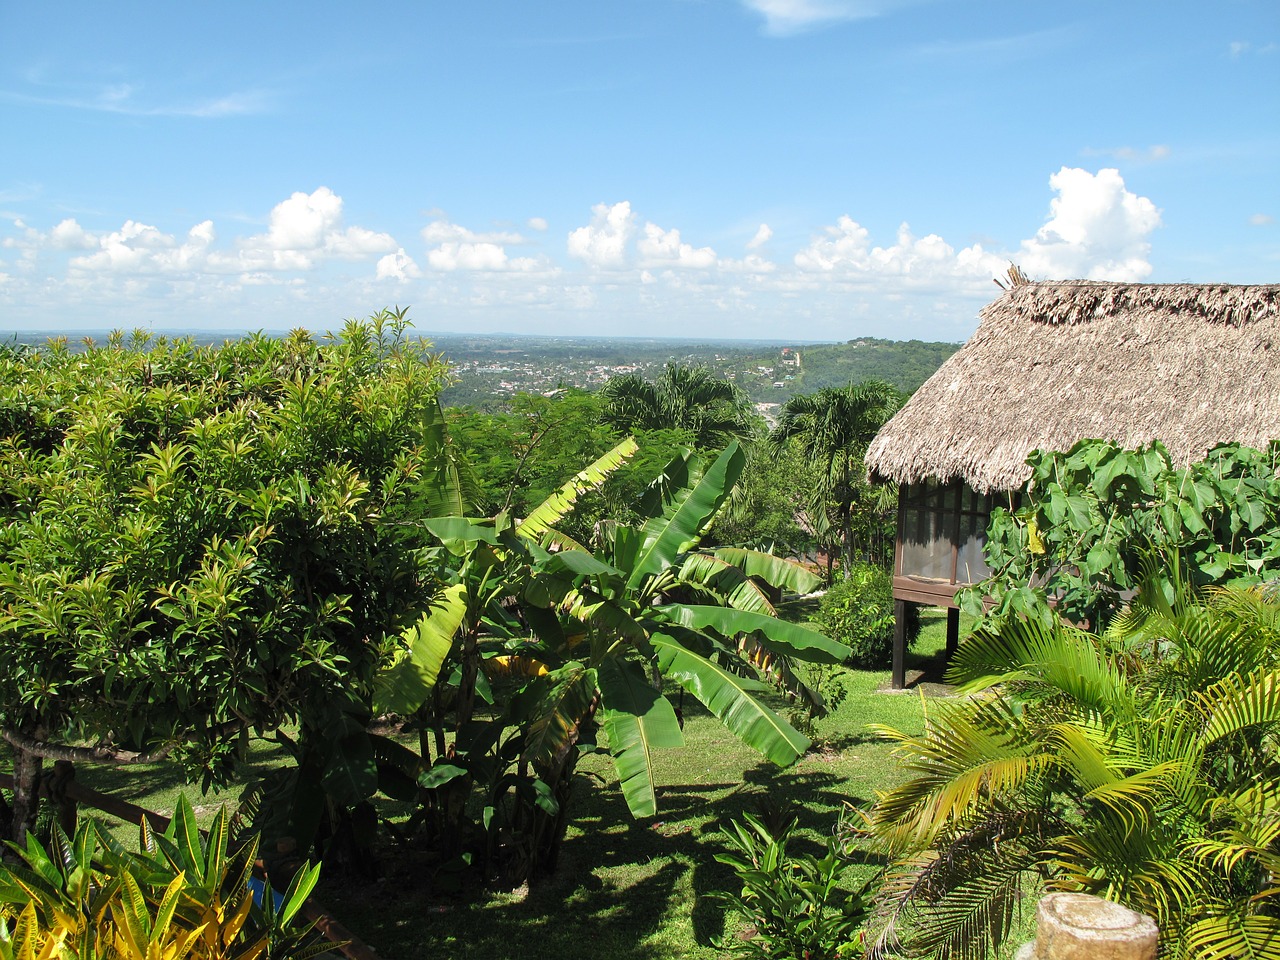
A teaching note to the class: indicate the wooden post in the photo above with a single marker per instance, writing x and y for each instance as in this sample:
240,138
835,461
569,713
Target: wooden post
57,788
899,644
953,631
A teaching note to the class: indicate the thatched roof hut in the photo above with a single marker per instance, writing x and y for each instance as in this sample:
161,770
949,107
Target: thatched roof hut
1192,365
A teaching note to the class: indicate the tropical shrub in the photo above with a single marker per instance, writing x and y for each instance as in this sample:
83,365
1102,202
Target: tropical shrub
1094,516
1141,765
858,611
181,894
796,905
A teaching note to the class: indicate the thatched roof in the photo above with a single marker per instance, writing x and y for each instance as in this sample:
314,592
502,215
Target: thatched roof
1053,363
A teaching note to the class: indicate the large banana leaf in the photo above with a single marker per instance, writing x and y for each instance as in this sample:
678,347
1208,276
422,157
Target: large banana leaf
638,720
726,581
553,731
443,484
728,696
403,686
667,536
554,509
777,571
787,638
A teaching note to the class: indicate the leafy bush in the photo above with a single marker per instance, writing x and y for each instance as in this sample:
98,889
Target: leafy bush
181,895
858,612
795,902
1094,517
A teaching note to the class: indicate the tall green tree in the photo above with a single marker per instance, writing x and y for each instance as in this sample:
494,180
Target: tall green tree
712,409
201,541
833,429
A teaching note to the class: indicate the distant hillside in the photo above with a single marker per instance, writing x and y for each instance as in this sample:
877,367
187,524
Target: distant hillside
904,363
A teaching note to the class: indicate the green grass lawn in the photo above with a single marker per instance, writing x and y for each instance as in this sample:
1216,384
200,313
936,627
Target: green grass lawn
624,889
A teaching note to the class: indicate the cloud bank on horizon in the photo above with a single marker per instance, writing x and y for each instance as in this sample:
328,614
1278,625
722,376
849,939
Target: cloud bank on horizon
1095,228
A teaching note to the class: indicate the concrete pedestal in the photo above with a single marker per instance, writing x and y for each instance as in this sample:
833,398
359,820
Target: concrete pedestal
1077,926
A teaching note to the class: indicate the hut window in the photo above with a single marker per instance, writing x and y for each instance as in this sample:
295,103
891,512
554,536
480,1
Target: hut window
927,550
942,529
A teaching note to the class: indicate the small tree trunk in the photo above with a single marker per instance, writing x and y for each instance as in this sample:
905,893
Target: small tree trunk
846,527
27,768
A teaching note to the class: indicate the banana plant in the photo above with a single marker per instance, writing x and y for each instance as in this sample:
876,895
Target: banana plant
653,606
597,633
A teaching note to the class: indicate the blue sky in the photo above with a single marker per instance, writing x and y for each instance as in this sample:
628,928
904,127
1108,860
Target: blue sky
782,169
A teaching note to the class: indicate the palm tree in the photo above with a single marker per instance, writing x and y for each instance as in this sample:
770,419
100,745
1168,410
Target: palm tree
713,409
1139,765
833,428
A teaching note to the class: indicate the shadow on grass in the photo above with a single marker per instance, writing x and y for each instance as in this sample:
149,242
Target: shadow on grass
624,888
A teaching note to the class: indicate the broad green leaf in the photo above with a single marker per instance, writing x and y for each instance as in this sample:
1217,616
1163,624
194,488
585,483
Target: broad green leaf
666,537
577,562
461,530
439,775
557,506
777,571
404,685
638,720
728,697
788,638
553,730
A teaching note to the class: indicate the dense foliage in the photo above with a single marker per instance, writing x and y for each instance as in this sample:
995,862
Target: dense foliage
858,611
903,363
1095,516
204,541
1140,765
712,409
831,430
798,905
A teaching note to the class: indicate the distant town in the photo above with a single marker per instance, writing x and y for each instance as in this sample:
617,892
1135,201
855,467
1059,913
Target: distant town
490,369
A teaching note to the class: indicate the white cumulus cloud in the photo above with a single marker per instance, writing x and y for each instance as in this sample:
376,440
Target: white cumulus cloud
69,235
1097,230
301,232
398,266
603,242
846,248
461,248
664,248
307,227
467,256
